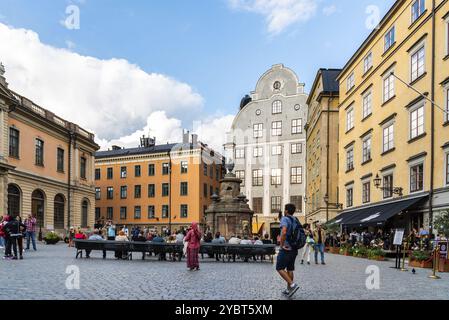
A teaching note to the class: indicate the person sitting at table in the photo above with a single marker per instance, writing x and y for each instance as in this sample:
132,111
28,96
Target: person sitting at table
218,240
162,254
80,235
119,254
141,238
95,237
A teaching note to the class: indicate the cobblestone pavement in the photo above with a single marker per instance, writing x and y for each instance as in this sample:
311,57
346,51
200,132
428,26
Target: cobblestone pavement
42,275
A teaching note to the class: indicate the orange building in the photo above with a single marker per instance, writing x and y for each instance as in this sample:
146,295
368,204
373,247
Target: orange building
159,186
46,164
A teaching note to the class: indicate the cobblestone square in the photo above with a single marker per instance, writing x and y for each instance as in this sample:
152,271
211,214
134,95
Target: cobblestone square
42,275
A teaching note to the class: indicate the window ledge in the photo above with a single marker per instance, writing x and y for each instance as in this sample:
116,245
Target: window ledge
388,101
349,170
446,123
349,130
417,19
367,161
367,117
367,71
388,151
39,165
446,57
417,79
389,49
62,171
417,138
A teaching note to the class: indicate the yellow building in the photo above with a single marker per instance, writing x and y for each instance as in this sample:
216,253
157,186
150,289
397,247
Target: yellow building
394,141
166,186
322,148
46,164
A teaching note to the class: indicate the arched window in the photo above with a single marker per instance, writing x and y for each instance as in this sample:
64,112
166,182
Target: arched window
59,204
13,200
277,107
38,206
84,213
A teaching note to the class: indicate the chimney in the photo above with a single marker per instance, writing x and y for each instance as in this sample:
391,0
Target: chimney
185,137
194,139
2,75
115,148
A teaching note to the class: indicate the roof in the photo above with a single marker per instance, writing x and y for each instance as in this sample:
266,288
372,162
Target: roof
163,148
330,83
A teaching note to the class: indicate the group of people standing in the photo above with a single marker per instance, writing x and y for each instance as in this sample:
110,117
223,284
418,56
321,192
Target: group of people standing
12,233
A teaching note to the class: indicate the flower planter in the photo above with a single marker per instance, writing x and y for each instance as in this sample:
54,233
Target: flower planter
51,241
421,264
334,250
443,265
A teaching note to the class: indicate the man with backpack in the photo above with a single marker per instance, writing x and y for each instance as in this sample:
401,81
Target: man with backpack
292,239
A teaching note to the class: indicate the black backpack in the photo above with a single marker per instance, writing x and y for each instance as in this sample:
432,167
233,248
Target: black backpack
296,237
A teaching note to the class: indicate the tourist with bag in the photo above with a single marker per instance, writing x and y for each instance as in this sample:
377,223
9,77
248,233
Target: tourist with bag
193,239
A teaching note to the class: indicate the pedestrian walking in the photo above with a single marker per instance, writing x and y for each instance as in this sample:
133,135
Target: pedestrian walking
30,223
319,236
193,239
309,244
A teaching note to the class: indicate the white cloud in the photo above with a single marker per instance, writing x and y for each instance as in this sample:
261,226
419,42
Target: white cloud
329,10
117,100
111,97
279,14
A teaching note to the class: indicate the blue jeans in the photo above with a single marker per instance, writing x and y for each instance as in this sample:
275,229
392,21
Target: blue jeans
32,236
319,247
2,242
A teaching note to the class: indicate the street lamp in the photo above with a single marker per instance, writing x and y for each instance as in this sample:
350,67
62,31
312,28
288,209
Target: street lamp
394,190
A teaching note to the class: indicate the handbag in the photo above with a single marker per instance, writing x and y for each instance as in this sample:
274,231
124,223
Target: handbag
184,250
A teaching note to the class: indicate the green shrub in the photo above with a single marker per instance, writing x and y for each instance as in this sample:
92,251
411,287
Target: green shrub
51,237
420,255
375,253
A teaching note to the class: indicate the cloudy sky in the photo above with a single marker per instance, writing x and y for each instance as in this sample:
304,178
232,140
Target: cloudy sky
126,68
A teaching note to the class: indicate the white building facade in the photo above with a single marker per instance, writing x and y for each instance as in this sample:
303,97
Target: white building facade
267,143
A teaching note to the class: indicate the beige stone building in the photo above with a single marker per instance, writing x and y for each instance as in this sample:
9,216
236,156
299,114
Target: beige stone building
46,164
322,148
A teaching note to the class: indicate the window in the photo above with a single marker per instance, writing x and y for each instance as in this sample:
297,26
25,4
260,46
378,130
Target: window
123,172
39,156
368,62
296,148
447,98
123,192
257,152
297,201
417,63
417,122
388,186
97,174
296,126
258,205
151,212
349,197
83,167
418,8
151,191
184,167
276,204
276,177
350,159
211,190
184,211
97,193
60,163
110,213
447,36
240,175
388,137
165,168
349,119
366,192
389,38
217,173
137,192
276,128
110,173
240,153
151,170
14,142
447,168
137,171
296,175
367,104
205,190
258,130
211,171
388,87
123,213
350,82
257,178
416,178
366,147
110,193
277,107
276,150
165,189
184,189
205,169
137,212
165,211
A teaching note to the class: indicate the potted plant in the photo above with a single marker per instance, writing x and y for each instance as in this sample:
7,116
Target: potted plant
51,238
421,259
344,249
360,252
441,224
376,254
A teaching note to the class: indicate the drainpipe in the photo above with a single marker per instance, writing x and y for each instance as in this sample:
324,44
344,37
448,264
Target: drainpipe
69,180
432,132
327,155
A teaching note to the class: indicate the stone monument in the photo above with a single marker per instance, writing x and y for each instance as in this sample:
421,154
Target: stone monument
230,213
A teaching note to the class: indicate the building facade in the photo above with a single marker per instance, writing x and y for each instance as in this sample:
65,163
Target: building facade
158,186
46,164
267,144
394,129
322,148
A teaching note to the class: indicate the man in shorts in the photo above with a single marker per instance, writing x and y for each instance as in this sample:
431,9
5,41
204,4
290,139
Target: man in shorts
285,265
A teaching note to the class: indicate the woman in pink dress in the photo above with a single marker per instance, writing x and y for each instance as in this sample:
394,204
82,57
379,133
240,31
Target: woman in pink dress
193,238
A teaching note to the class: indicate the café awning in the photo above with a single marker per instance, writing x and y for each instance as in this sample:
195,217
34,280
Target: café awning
258,227
376,215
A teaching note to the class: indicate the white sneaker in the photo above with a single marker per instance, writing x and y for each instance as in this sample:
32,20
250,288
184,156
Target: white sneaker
294,287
